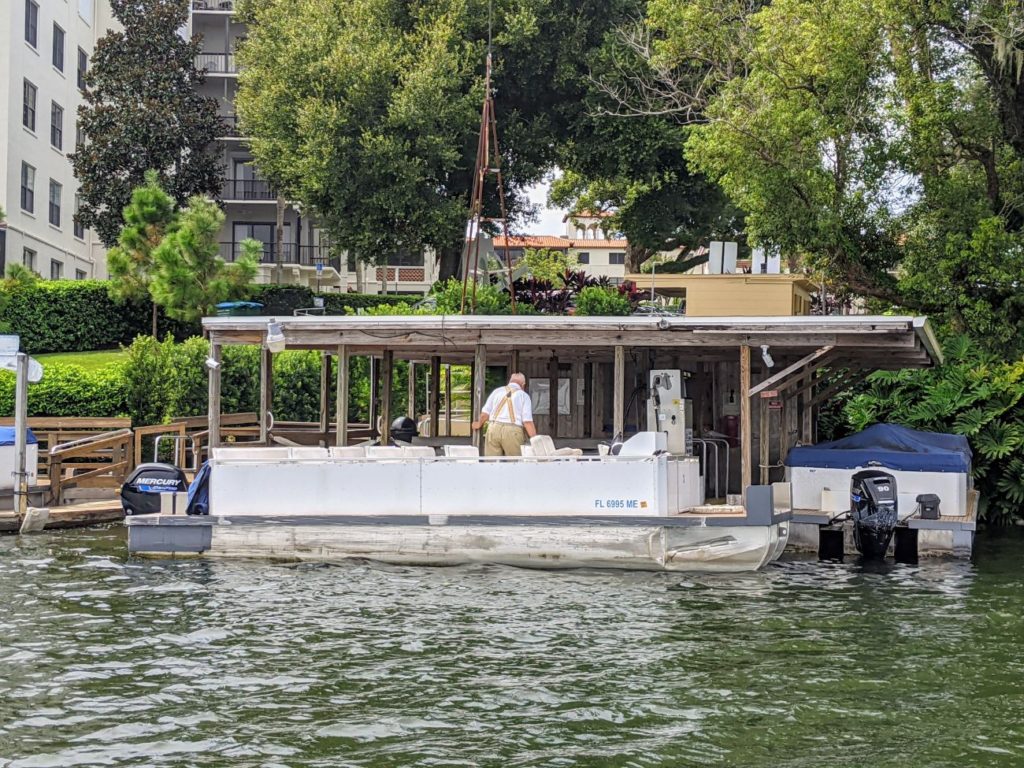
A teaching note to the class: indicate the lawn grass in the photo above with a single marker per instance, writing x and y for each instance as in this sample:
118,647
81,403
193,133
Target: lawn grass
89,360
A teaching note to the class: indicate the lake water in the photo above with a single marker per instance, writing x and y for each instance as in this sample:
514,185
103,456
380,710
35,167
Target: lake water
112,661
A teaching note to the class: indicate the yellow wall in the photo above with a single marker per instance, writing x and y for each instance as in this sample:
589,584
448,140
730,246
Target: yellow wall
734,295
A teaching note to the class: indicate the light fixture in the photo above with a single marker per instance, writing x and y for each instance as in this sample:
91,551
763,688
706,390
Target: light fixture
766,356
732,396
212,364
275,337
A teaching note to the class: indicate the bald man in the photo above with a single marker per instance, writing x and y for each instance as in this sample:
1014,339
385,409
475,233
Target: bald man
510,414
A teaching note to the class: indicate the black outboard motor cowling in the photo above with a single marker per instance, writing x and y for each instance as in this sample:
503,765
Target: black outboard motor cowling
874,512
140,494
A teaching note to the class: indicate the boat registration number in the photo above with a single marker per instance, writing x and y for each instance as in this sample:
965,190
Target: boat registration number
619,504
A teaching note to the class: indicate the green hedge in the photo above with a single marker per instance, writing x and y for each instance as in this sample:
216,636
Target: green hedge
79,315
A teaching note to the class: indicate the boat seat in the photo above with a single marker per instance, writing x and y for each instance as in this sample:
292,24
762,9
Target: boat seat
544,446
348,452
383,452
308,452
229,453
418,452
462,451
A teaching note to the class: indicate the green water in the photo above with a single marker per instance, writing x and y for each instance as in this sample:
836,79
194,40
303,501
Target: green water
110,661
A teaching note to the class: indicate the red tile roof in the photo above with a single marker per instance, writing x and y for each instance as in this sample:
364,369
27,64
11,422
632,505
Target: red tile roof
559,243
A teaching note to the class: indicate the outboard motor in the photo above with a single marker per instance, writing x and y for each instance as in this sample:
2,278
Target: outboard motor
874,511
403,428
140,494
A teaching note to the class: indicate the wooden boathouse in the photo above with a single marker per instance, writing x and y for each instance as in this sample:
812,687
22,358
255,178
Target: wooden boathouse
757,381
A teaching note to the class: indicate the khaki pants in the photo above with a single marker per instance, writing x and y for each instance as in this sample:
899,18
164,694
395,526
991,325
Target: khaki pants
504,439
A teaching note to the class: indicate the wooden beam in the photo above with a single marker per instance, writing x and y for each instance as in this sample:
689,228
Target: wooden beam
513,362
745,442
779,380
341,397
553,396
588,399
387,375
434,405
266,394
214,396
325,389
763,435
479,388
619,392
448,400
410,405
374,395
844,381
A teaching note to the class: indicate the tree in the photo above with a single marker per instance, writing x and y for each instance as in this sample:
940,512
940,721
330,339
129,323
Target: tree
147,219
874,139
190,278
367,112
546,264
142,111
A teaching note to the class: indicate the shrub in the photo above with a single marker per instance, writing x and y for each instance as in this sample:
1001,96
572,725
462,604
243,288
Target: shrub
70,390
972,394
596,300
490,300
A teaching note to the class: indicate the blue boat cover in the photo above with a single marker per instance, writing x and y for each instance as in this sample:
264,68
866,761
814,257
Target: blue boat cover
891,446
7,436
199,492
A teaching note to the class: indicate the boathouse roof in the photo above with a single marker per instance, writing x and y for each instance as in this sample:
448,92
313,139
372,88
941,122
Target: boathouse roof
865,341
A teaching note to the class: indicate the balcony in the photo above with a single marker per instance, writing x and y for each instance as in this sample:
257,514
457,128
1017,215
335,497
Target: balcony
247,189
402,274
217,63
303,255
231,127
213,5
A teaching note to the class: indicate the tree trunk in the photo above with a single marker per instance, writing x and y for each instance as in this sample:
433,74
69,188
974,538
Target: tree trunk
635,256
448,262
155,331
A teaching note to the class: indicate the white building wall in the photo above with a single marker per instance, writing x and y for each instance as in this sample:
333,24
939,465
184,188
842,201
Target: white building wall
56,249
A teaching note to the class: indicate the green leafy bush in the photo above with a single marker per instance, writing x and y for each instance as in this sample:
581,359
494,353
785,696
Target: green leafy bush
974,394
490,300
596,300
70,390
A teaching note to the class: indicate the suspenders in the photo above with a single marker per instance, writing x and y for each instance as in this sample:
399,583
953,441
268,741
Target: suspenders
506,401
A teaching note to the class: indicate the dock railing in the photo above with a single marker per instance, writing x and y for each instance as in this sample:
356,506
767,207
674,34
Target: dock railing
97,461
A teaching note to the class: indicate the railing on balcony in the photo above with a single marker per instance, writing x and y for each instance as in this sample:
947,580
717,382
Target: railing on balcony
402,274
217,63
231,127
247,189
304,255
213,5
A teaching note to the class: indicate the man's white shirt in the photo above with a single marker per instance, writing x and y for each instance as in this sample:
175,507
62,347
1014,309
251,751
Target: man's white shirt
522,407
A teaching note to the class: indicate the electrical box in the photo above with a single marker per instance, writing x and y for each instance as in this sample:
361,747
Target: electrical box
669,411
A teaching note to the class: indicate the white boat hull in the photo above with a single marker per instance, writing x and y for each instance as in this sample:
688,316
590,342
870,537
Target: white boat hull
633,547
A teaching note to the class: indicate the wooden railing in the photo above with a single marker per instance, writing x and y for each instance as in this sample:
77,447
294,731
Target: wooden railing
56,431
97,461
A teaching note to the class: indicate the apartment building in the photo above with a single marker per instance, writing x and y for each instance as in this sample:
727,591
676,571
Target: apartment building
306,257
598,252
45,49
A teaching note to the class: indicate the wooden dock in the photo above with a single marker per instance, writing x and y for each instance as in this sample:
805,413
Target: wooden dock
78,515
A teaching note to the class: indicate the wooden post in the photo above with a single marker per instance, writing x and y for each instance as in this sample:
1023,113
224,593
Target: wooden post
588,400
745,442
619,393
764,430
410,408
448,400
266,394
807,414
553,396
374,395
434,398
325,390
479,387
341,397
513,362
387,380
214,397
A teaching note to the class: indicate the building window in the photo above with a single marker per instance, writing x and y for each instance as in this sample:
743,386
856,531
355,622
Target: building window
28,188
56,270
28,106
83,67
616,258
80,274
56,125
79,227
28,258
31,23
582,258
54,203
58,48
